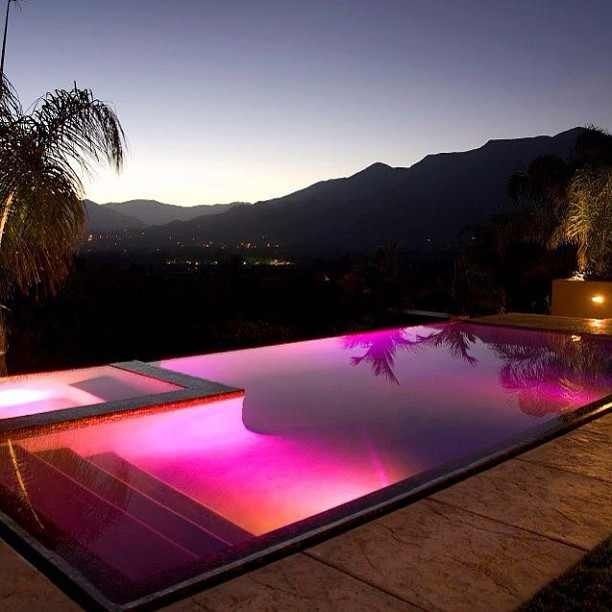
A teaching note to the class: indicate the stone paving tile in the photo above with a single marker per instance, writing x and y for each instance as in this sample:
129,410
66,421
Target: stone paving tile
444,558
601,428
573,508
24,589
586,451
294,583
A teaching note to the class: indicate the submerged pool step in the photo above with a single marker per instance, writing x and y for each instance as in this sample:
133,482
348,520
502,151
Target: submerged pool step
157,516
170,497
101,529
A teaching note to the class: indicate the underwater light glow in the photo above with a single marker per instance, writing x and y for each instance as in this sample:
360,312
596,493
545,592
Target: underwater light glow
15,396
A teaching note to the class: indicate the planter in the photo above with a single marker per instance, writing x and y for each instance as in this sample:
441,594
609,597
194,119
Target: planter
578,298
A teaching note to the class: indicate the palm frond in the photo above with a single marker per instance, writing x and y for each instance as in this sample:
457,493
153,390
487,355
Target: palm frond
10,107
76,129
588,221
42,157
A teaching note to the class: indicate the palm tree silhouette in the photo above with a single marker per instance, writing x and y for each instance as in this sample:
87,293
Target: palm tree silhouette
588,221
43,153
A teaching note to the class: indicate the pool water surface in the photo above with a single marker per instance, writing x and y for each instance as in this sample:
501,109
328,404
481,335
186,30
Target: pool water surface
325,429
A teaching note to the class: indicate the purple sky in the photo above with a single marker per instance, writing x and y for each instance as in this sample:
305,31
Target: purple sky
245,100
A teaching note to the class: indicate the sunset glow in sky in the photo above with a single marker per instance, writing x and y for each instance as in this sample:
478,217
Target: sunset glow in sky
244,100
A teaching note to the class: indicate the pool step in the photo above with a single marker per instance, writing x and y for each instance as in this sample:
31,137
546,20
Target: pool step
100,530
171,498
124,496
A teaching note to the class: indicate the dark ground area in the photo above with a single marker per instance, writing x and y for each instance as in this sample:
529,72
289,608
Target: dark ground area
117,307
588,586
112,309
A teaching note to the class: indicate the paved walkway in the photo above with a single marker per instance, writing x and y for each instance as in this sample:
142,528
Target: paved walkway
487,543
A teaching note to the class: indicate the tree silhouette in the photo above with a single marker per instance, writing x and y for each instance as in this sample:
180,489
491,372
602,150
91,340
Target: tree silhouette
43,154
587,223
539,196
559,202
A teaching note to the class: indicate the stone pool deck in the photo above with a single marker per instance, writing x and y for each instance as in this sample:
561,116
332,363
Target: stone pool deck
487,543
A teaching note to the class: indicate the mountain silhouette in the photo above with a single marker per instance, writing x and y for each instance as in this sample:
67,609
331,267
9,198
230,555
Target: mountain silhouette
102,219
422,205
134,214
151,212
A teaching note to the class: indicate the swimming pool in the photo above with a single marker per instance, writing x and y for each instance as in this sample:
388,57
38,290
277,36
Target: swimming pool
137,505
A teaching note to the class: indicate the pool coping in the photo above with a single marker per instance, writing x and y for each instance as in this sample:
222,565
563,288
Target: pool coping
420,486
191,390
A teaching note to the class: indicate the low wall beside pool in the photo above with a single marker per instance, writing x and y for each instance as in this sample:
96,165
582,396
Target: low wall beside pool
578,298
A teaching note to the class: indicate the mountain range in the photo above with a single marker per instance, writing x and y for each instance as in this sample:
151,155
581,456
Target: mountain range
428,202
135,214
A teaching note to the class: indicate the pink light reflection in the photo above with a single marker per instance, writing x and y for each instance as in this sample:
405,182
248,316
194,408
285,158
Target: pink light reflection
18,400
259,482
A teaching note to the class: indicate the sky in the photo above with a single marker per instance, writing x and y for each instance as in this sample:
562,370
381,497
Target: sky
244,100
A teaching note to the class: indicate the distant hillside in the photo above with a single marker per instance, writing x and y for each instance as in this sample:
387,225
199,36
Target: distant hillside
427,203
151,212
102,219
137,214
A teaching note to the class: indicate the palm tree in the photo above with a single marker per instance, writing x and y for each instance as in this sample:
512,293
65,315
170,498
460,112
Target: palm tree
43,154
569,202
540,198
588,221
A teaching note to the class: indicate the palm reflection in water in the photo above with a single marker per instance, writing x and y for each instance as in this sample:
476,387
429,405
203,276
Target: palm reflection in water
553,375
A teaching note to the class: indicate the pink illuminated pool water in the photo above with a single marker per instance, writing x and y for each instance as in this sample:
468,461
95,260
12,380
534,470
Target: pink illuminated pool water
325,429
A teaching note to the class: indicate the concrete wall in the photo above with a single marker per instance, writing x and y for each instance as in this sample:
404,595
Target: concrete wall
574,298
